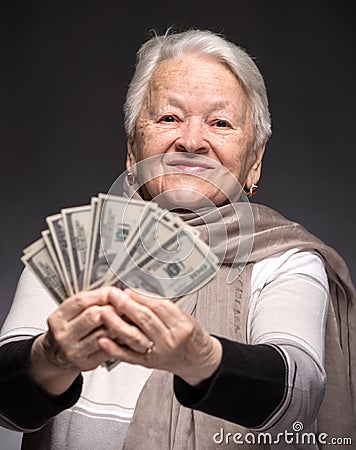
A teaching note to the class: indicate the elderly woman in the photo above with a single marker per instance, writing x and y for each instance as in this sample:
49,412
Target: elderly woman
271,352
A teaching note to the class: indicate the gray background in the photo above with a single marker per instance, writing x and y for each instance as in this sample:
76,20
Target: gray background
64,73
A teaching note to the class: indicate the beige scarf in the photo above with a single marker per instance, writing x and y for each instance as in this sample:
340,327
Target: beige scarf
161,423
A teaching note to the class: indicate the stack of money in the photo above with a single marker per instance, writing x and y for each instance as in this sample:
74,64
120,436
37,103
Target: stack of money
123,242
119,241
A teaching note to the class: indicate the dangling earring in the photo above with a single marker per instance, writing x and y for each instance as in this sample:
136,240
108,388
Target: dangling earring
252,191
130,178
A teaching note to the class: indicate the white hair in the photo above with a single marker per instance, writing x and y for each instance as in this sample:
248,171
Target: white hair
205,43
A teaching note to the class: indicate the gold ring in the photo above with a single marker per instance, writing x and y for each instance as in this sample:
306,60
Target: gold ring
149,349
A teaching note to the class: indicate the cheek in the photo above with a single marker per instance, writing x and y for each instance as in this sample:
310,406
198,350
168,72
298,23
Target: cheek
152,140
232,160
236,156
149,144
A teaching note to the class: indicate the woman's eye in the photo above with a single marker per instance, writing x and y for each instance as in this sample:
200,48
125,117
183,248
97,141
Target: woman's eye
168,118
221,124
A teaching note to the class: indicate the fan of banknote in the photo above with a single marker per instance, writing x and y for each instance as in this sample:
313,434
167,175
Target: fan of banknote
123,242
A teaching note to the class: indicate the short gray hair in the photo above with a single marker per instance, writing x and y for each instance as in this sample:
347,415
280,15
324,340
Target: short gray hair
205,43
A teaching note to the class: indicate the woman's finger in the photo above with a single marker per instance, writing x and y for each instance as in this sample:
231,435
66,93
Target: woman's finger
113,350
76,304
169,313
144,318
67,334
123,332
88,345
89,320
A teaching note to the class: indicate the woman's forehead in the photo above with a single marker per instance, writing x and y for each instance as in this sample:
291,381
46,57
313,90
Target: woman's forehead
190,67
176,80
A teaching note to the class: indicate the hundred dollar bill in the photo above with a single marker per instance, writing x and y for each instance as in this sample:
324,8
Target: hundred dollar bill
47,237
93,209
191,265
153,231
39,261
77,227
95,272
55,225
116,223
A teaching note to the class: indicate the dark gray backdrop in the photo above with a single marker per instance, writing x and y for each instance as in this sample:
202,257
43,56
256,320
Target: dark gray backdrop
64,73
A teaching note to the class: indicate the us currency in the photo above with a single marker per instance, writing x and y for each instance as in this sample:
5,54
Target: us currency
117,220
39,261
55,225
155,229
93,209
191,265
47,237
77,227
121,242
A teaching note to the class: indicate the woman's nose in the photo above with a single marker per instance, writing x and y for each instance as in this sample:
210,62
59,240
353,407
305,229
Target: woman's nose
191,138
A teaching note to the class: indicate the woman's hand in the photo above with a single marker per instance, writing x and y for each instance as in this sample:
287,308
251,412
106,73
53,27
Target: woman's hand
179,343
70,345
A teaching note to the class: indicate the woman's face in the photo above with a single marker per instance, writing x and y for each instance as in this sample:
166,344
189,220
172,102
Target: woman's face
196,106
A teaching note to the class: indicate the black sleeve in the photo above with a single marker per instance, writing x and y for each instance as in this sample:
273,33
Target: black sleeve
22,402
248,387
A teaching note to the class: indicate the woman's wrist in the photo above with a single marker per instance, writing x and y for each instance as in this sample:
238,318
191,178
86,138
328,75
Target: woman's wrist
208,366
50,378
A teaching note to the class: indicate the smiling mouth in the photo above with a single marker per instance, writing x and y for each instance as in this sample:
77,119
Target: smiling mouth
189,166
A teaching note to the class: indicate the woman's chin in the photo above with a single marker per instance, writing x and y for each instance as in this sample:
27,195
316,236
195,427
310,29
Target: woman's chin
184,195
183,198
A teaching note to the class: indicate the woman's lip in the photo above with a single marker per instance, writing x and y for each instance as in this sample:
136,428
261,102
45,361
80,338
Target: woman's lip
189,166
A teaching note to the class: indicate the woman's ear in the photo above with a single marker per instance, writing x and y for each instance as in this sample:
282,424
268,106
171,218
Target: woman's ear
130,160
255,171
